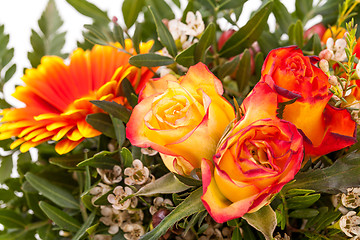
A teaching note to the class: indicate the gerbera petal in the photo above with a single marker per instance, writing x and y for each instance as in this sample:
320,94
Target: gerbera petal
66,145
86,130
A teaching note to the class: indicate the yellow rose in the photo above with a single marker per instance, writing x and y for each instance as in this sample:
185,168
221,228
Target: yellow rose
181,118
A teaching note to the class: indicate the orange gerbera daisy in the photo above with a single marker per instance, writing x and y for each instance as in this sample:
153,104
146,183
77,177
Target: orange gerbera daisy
57,96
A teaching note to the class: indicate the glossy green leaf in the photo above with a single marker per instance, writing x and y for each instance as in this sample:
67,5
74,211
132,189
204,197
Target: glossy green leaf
163,185
186,57
192,204
189,181
113,108
6,168
119,128
299,202
231,4
131,10
90,10
304,213
205,41
102,159
150,60
119,34
11,219
161,9
82,231
128,91
282,16
244,71
165,36
248,33
299,33
56,194
67,162
101,122
338,177
6,195
60,218
228,67
46,232
263,220
303,7
126,157
316,44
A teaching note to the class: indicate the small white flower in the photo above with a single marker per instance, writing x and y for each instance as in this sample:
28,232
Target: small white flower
324,65
98,191
352,198
137,175
110,176
195,23
333,80
119,194
330,43
133,231
177,28
337,48
336,201
148,151
159,202
326,54
112,218
349,224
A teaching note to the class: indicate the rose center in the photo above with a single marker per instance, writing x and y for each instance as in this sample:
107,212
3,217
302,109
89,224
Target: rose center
258,156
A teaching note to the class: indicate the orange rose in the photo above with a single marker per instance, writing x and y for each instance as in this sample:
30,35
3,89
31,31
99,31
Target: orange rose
292,75
255,159
182,118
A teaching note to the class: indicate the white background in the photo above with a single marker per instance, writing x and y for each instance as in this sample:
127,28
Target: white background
20,16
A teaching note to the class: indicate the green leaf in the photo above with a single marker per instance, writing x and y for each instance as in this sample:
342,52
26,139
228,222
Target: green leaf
263,220
165,36
299,202
50,21
101,122
334,179
10,72
131,10
82,231
119,34
188,180
102,160
113,108
6,195
46,232
248,33
299,33
228,67
296,192
231,4
282,16
11,219
6,168
59,217
56,194
128,91
126,157
206,39
186,57
303,7
150,60
316,44
244,71
192,204
67,162
304,213
164,185
90,10
119,128
161,9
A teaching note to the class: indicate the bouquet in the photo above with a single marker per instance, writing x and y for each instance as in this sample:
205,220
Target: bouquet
190,127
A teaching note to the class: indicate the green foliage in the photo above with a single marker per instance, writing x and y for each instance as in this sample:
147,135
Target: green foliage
7,70
49,41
